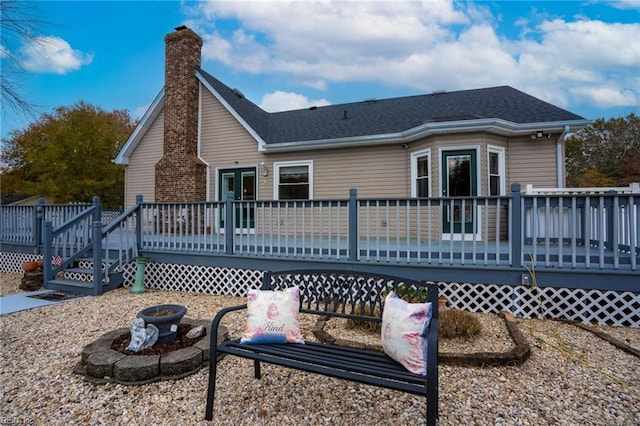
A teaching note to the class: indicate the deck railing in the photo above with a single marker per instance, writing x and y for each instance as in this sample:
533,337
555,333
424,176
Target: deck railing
23,224
561,231
587,231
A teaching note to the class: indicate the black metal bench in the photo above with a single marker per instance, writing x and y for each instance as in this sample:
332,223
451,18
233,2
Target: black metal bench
343,294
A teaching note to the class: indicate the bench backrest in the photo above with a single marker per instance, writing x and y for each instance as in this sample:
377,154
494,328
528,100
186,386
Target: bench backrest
349,294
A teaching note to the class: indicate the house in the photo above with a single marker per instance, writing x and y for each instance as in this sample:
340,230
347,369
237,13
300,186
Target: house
200,139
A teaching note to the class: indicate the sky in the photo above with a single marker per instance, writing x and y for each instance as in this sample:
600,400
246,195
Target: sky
583,56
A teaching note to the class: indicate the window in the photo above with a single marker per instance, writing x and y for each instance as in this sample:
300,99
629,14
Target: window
496,171
420,171
293,180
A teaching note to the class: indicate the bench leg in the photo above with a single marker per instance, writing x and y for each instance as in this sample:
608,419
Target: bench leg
213,365
256,369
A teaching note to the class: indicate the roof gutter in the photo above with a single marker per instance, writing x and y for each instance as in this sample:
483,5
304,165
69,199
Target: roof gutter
502,127
560,154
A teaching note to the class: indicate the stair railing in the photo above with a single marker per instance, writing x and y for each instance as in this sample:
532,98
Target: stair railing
84,235
120,238
73,239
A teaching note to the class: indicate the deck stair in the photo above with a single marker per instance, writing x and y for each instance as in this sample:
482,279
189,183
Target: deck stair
90,257
79,278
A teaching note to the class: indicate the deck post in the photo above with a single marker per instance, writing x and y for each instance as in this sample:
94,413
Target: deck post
353,224
37,225
516,225
97,213
228,223
139,200
47,273
609,214
97,258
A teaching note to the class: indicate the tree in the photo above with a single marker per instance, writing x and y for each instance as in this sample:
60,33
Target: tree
67,156
607,153
18,25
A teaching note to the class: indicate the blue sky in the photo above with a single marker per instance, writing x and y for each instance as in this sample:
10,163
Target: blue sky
583,56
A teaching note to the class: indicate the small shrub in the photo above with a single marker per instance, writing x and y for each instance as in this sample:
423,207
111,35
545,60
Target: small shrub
367,326
411,294
456,323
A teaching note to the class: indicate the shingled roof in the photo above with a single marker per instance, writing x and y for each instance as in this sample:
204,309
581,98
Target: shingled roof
392,116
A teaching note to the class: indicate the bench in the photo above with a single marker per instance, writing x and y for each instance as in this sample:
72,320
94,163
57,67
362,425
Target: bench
339,294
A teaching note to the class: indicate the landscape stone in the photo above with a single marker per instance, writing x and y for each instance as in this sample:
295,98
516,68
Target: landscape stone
179,363
31,281
100,364
95,347
137,369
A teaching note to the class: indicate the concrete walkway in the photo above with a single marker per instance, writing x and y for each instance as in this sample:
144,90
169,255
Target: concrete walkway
20,302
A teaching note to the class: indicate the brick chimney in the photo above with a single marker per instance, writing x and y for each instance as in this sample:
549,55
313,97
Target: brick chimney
180,174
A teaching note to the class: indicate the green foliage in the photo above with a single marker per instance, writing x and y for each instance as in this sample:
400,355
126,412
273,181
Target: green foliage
456,323
607,153
67,156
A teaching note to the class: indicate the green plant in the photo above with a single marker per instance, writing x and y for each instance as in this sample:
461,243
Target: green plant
534,284
408,294
456,323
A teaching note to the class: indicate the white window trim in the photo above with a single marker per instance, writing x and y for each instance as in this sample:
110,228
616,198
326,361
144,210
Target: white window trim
276,175
414,171
501,167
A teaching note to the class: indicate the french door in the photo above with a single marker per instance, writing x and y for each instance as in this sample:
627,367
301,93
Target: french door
459,179
242,182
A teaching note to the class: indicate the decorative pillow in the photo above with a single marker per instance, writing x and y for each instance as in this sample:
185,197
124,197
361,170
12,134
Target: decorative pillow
404,331
272,317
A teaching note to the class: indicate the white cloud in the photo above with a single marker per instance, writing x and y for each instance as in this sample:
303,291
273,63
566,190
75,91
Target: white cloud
299,36
287,101
425,46
52,55
606,97
624,4
590,44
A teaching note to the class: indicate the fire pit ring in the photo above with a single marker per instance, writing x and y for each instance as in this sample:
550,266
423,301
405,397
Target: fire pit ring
99,363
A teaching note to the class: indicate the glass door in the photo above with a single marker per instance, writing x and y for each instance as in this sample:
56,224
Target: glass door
242,182
459,179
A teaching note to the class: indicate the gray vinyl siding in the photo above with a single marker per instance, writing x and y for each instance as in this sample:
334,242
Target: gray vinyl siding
140,173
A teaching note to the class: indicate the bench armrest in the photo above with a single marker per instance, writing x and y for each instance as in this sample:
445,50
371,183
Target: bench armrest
218,318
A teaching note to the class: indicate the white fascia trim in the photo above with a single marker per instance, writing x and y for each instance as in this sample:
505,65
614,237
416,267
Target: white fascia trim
261,143
141,129
502,127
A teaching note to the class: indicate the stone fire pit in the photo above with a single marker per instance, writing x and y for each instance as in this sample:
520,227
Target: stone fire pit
100,363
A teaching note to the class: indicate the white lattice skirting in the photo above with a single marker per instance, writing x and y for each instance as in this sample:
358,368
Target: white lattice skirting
195,279
11,263
588,306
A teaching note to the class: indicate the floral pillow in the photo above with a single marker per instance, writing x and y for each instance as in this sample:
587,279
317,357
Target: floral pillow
404,332
272,317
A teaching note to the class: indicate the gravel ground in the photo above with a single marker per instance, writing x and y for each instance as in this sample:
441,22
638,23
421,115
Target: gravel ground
572,377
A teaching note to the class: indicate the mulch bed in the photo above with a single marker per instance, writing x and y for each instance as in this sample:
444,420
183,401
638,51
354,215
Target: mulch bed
121,342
